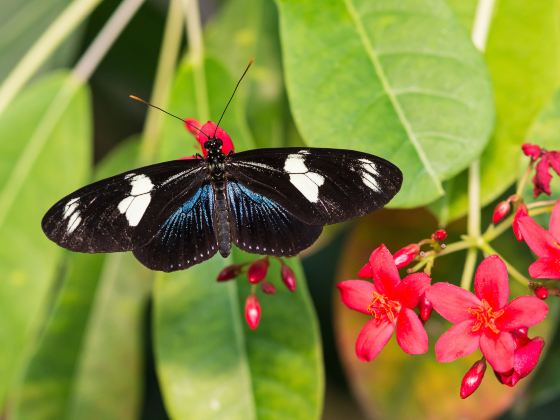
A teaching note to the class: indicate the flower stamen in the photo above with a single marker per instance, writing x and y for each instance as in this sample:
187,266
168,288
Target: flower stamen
381,305
485,317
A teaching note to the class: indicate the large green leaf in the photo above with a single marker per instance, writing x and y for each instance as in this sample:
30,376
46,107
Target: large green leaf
210,365
45,149
525,69
88,363
397,79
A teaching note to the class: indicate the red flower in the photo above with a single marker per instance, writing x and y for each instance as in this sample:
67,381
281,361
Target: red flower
501,211
485,319
288,277
257,271
207,130
390,302
548,160
526,357
252,311
473,378
543,243
439,235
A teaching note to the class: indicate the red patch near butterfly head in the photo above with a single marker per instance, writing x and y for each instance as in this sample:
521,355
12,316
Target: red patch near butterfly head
202,133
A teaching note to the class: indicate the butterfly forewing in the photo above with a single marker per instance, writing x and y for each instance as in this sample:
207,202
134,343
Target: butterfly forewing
108,215
317,186
263,226
183,237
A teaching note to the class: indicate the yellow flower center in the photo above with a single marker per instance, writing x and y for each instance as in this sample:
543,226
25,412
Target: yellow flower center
485,317
381,307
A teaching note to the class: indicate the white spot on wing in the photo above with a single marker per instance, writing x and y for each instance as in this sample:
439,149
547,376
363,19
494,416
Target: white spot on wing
370,181
134,206
70,207
73,222
305,181
369,167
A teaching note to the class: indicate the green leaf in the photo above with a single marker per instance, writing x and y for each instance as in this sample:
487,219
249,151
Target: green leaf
21,23
45,147
396,79
209,363
88,363
525,69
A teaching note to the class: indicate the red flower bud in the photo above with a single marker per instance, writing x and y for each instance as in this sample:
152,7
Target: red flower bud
268,288
501,211
288,277
531,150
252,311
425,307
473,378
257,271
519,213
366,271
229,272
405,256
541,292
439,235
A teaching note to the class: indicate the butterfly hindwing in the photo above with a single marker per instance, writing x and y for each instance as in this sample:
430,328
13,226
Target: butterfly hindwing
106,216
262,226
317,186
183,238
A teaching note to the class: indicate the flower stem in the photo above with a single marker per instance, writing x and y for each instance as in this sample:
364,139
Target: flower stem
47,43
105,39
196,57
170,48
523,180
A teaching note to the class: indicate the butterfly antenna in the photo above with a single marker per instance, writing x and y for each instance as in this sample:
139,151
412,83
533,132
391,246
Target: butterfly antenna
136,98
233,94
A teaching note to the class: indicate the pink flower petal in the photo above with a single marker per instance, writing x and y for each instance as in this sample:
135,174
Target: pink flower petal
521,212
498,350
542,177
356,294
538,239
527,357
545,268
458,341
523,311
411,288
372,338
365,272
411,335
385,274
491,282
554,225
452,302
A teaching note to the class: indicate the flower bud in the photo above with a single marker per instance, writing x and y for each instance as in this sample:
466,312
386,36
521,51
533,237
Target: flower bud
257,271
425,307
473,378
268,288
501,211
406,255
288,277
439,235
531,150
229,272
252,311
541,292
366,271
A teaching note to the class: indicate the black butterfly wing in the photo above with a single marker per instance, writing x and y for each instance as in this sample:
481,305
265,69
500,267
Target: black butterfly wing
110,215
262,226
183,237
317,186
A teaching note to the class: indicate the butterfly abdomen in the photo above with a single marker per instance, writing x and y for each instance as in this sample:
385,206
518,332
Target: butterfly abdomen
221,220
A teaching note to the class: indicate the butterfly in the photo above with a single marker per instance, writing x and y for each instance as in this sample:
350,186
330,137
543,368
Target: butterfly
175,214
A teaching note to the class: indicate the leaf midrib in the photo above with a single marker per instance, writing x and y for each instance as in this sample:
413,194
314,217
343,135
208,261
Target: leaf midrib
372,55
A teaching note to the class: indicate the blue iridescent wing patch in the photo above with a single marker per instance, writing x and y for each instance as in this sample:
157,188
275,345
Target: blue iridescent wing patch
186,237
262,226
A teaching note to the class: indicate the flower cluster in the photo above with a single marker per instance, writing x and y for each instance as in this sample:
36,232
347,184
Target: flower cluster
544,160
482,320
256,273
